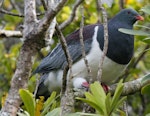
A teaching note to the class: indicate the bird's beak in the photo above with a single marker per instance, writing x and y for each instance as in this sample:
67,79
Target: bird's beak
139,18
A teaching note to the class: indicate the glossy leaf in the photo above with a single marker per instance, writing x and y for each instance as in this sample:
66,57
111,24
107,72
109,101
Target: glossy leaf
28,100
117,94
55,112
145,79
108,102
134,32
48,103
81,114
145,89
93,104
146,40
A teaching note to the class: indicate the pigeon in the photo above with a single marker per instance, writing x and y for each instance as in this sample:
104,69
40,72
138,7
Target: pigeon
119,53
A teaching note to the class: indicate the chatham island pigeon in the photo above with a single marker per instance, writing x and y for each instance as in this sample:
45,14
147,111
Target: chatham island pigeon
119,54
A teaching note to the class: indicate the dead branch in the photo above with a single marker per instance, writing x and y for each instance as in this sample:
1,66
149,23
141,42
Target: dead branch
6,33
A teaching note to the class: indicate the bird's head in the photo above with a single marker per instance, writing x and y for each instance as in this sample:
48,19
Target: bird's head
129,15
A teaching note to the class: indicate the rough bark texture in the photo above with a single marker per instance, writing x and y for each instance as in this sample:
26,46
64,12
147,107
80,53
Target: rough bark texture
33,34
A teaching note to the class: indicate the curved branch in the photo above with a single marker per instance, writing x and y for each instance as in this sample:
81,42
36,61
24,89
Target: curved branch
73,14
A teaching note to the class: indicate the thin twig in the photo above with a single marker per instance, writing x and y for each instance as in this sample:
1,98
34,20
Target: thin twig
82,45
105,25
10,13
64,80
141,55
66,51
17,15
36,87
125,108
67,99
13,3
121,4
64,47
86,107
51,29
73,14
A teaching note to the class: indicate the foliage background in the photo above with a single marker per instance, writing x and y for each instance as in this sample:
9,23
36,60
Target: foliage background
9,46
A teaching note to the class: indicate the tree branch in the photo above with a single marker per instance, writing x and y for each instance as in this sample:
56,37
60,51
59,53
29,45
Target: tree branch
24,65
130,87
82,45
105,25
6,33
33,33
67,97
73,14
17,15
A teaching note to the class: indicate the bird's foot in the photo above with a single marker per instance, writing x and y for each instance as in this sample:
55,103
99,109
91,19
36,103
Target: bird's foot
87,85
105,87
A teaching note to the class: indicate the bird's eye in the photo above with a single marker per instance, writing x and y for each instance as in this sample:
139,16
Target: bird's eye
129,12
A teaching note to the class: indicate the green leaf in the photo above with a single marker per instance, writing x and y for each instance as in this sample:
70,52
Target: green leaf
93,104
147,114
98,93
146,9
117,95
134,32
81,114
145,79
90,97
146,40
108,102
48,103
55,112
120,102
145,89
28,100
97,90
144,27
96,98
50,99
